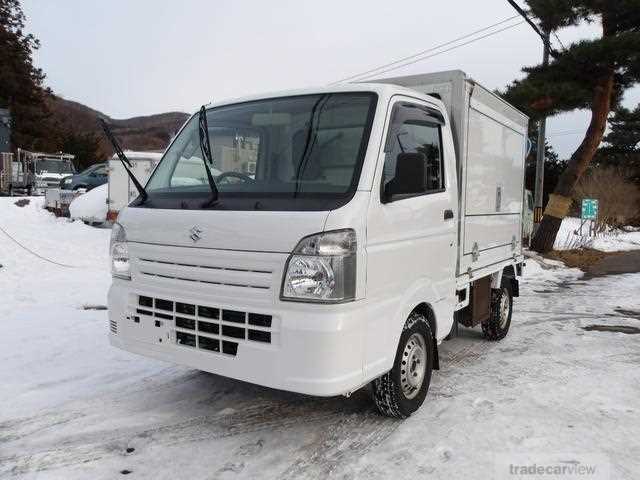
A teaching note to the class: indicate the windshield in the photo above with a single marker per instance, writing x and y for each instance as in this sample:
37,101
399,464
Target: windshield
92,168
287,153
54,166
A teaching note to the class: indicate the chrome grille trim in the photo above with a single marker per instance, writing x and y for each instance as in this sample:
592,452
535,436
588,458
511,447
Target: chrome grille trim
225,276
207,267
170,277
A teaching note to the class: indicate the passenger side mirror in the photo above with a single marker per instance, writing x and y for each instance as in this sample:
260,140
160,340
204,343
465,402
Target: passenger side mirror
409,179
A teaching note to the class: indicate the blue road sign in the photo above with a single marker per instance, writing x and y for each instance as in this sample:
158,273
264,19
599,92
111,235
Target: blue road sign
589,209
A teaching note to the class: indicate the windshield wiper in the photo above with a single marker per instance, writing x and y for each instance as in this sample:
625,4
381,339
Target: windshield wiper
207,157
123,158
314,120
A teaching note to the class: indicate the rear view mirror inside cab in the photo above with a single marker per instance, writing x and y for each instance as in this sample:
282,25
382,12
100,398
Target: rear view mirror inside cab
270,119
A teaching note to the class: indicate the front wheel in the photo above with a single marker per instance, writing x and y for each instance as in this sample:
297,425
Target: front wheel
497,327
401,391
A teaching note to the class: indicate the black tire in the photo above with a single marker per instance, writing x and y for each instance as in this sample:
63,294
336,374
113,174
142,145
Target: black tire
391,399
497,327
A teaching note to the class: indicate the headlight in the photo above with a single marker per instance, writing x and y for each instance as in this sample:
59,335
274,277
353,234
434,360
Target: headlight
119,253
67,181
322,268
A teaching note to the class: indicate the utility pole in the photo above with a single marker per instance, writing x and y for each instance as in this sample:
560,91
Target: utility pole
542,130
542,126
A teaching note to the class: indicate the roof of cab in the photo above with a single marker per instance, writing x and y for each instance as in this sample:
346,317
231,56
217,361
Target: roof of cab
383,90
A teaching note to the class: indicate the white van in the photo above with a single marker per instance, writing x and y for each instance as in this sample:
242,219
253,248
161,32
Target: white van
361,224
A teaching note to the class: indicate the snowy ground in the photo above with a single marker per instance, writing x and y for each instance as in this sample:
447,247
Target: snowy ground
611,241
72,407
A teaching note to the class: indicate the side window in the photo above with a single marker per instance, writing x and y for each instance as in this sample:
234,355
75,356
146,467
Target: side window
414,163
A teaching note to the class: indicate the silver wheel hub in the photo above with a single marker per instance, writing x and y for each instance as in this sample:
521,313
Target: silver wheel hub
413,366
505,308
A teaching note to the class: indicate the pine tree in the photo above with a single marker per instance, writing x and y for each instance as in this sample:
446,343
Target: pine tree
21,83
589,74
84,145
622,144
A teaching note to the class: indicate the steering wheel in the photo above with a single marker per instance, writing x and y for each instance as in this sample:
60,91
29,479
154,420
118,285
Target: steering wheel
238,175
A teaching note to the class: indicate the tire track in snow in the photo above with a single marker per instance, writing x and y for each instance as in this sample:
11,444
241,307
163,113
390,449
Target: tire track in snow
249,419
13,430
339,448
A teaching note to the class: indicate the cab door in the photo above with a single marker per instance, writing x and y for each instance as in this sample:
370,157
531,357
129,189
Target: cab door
412,221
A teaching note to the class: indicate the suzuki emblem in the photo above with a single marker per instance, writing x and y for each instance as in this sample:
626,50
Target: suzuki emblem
195,233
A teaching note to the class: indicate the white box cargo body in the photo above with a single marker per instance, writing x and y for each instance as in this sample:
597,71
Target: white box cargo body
490,138
121,190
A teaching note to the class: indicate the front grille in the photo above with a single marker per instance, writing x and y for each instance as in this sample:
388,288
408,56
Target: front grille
206,274
113,326
207,327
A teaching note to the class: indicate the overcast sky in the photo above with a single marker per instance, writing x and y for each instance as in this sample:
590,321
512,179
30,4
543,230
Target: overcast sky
130,58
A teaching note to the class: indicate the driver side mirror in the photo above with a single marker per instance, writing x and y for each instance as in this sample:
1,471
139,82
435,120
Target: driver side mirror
409,179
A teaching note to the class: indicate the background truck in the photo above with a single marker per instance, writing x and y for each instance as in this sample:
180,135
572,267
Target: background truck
373,220
30,173
121,191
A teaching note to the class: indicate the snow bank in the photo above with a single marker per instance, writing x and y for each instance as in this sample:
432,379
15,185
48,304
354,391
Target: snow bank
92,206
611,241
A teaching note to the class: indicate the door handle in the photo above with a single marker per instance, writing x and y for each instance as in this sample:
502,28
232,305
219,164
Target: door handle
448,214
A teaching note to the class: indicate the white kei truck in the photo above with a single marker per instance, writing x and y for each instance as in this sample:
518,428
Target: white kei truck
345,234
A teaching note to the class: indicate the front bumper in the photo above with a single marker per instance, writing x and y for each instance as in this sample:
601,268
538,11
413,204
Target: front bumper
314,349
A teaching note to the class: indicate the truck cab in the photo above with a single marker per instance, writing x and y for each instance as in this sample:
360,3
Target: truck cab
330,256
50,169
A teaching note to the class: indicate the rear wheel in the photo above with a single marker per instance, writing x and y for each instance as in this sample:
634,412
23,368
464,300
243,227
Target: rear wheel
401,391
497,327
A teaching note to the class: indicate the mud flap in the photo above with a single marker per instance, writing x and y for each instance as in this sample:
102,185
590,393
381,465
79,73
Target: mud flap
515,287
436,356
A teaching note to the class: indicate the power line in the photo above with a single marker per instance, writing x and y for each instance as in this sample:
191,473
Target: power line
568,132
419,54
559,41
440,53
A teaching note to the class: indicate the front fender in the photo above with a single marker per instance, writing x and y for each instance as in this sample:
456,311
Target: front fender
422,292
